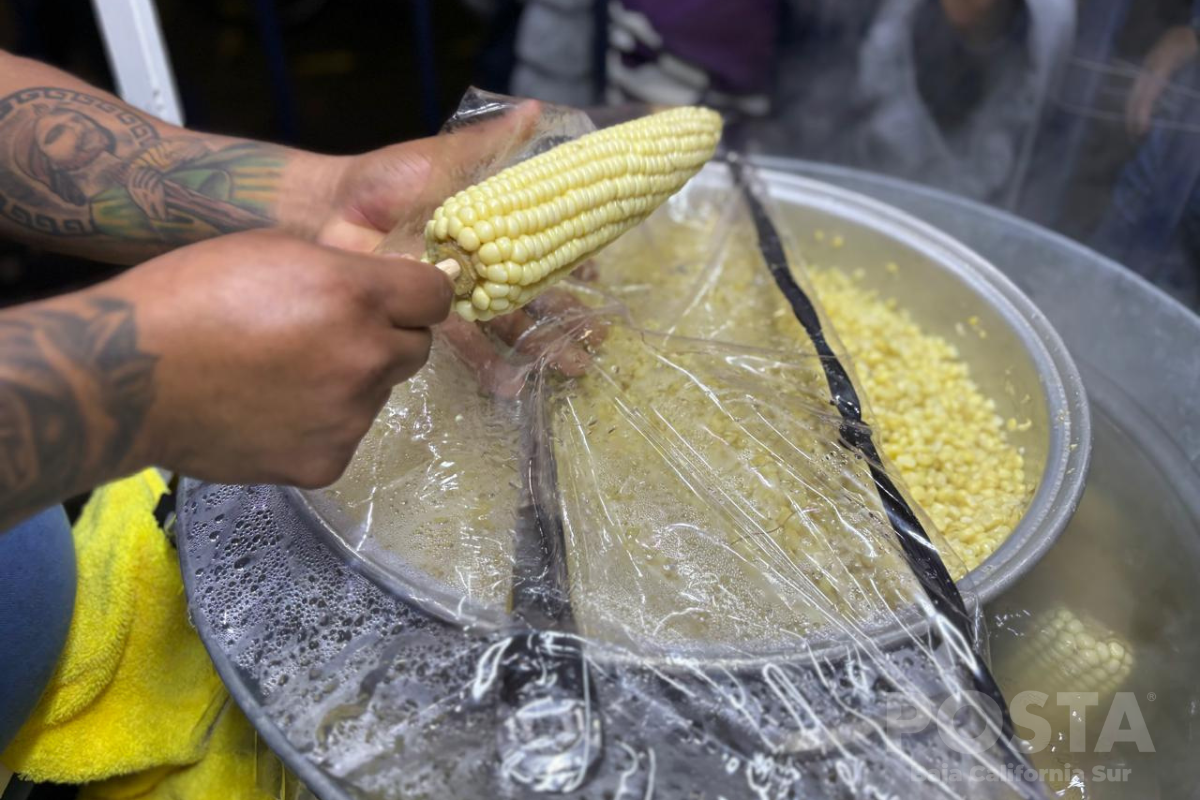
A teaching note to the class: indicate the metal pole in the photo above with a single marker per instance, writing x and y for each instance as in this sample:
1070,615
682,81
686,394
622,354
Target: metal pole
137,55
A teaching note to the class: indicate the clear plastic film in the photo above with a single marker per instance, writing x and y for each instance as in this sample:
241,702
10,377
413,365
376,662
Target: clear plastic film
680,567
489,132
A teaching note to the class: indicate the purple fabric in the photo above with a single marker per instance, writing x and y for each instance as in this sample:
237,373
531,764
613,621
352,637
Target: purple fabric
732,40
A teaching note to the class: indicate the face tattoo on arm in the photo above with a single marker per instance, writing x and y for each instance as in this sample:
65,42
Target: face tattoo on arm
83,168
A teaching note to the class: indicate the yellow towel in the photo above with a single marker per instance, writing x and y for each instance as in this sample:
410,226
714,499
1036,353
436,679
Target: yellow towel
134,689
235,768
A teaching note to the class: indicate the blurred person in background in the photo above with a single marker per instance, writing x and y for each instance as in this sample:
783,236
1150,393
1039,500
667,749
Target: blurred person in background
941,91
937,91
1153,221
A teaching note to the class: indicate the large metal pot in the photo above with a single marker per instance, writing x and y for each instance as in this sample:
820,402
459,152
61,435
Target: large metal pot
1014,353
261,582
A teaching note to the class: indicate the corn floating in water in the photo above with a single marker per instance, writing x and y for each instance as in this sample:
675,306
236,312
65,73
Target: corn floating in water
528,226
1066,652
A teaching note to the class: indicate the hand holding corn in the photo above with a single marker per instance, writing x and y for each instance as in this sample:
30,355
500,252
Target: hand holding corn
521,230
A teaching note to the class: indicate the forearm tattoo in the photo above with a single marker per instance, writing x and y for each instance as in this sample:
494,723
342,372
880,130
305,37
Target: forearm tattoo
75,388
84,167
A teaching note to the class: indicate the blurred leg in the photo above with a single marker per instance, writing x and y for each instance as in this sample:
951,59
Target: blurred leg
1154,200
37,599
1127,233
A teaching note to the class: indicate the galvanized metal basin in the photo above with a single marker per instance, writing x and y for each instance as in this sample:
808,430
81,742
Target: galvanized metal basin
1148,459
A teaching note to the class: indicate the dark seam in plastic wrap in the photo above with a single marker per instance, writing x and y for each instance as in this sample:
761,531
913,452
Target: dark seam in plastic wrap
541,589
919,552
545,668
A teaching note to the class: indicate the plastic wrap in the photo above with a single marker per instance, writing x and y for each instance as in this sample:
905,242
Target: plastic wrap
686,572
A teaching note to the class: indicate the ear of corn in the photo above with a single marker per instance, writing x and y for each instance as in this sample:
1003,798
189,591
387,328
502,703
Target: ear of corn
1066,652
528,226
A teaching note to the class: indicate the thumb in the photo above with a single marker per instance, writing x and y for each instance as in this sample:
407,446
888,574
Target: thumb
484,147
446,164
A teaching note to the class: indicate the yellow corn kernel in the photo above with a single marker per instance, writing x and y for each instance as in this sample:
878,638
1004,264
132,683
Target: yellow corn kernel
944,437
531,224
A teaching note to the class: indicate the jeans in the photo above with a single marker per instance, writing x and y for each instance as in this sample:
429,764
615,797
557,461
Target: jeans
1153,221
37,600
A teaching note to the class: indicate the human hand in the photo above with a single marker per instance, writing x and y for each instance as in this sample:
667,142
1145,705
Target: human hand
391,193
555,331
275,354
1175,48
399,187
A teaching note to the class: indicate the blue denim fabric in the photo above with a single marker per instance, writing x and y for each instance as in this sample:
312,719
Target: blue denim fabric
1153,221
37,599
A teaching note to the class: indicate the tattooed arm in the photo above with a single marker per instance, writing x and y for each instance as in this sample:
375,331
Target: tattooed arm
252,357
74,389
81,172
255,357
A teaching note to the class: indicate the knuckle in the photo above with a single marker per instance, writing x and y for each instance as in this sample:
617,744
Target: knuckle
417,348
422,344
320,471
431,287
369,366
407,371
443,291
362,423
331,282
311,476
340,296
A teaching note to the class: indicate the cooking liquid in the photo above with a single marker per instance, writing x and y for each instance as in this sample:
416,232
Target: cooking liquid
1130,559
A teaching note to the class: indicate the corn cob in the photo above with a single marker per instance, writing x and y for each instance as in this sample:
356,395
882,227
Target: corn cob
1064,652
528,226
